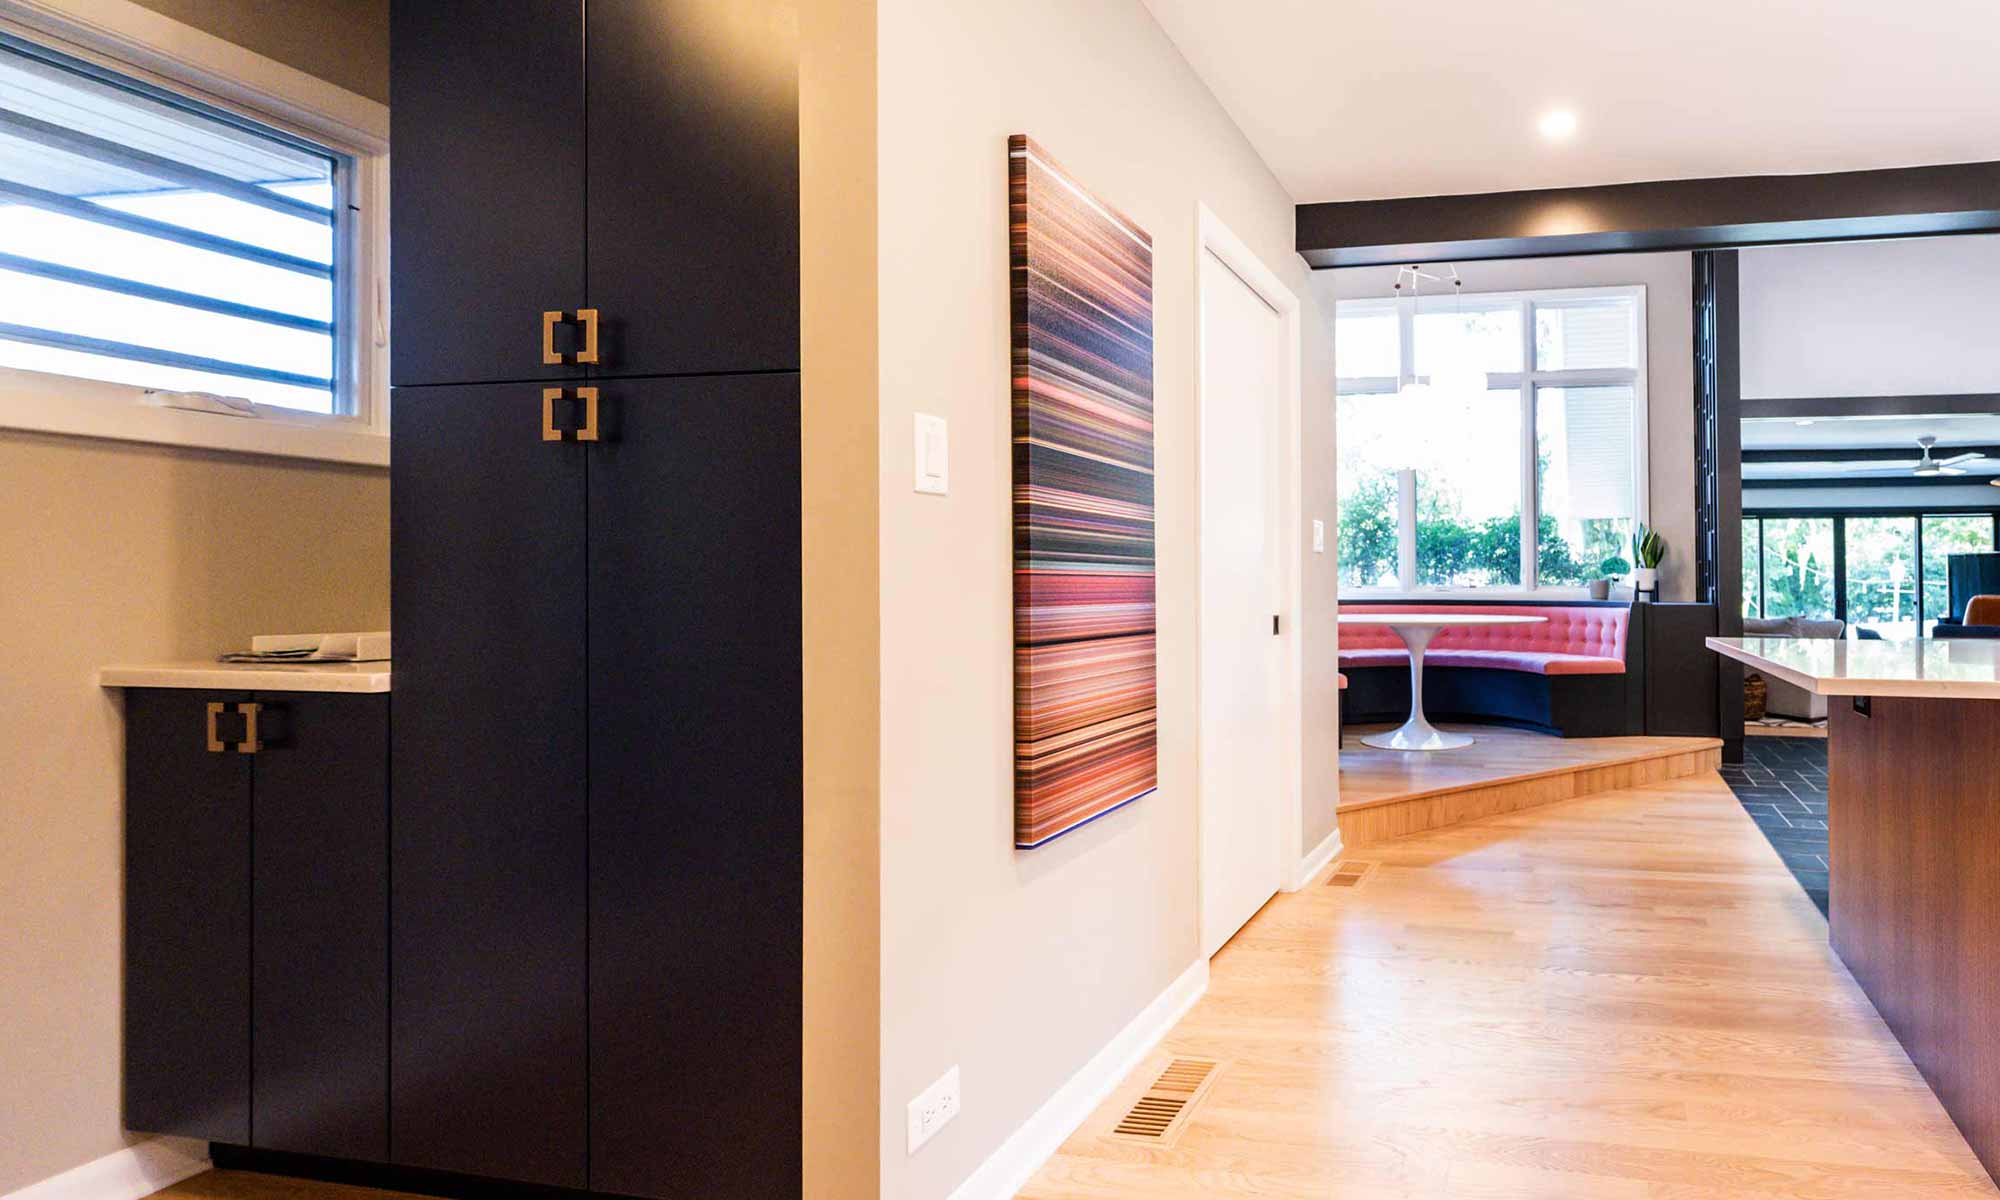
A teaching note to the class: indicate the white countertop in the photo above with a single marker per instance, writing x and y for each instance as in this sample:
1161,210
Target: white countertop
1944,668
250,677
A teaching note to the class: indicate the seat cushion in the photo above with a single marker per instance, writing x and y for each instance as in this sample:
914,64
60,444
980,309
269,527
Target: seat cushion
1530,661
1589,631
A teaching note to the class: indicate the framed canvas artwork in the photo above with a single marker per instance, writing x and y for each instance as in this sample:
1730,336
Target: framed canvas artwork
1085,704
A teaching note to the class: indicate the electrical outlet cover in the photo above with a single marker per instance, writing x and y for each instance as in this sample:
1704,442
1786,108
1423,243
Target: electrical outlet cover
933,1109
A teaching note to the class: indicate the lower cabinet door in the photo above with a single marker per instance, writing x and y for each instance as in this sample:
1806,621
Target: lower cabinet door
487,774
320,927
696,828
187,915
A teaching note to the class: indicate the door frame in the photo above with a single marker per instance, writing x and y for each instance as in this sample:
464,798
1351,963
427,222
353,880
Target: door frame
1216,247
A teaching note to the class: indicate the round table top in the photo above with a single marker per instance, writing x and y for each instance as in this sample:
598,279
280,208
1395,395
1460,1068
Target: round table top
1438,619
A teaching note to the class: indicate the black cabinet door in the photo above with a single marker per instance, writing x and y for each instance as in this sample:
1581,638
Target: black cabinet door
487,124
694,185
187,917
695,789
487,777
320,927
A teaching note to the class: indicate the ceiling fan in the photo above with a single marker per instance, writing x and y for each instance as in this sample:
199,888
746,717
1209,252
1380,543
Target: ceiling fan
1929,466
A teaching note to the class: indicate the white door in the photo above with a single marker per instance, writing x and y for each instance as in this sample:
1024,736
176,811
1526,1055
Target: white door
1243,372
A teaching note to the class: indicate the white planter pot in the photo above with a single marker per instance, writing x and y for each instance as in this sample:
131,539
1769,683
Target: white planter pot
1645,579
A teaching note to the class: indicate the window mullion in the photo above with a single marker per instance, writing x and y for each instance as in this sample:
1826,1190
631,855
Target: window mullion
1531,500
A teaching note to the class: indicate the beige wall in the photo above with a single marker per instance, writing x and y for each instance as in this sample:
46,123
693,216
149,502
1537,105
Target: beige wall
113,551
341,41
843,961
1669,283
1018,966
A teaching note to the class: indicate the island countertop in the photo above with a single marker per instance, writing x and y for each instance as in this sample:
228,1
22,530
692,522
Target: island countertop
250,677
1944,669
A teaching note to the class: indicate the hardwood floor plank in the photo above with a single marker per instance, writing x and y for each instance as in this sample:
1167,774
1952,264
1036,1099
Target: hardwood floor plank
1624,995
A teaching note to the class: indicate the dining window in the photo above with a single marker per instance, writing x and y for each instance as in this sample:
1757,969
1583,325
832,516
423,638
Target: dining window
1492,441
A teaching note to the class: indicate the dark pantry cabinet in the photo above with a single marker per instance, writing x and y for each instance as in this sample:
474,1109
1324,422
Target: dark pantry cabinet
596,768
632,161
256,908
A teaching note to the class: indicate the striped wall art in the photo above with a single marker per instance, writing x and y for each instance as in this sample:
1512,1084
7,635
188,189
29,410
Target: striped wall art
1084,698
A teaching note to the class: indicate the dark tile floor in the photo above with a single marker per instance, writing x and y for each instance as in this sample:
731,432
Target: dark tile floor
1782,784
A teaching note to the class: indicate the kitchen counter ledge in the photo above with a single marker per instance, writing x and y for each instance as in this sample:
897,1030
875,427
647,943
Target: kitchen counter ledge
249,677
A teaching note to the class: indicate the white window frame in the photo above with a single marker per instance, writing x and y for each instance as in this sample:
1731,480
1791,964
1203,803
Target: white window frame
1527,382
134,41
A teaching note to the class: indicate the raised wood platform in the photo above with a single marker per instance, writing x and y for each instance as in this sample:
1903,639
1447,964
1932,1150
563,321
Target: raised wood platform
1390,793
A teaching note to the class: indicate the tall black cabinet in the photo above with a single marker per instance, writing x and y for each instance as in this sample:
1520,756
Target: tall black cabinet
596,770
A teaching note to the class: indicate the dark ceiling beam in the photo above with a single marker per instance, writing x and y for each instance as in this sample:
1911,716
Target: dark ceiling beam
1862,454
1947,404
1875,481
1677,214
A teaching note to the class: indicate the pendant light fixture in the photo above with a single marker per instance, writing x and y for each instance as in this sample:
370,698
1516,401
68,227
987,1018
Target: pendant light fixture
1456,379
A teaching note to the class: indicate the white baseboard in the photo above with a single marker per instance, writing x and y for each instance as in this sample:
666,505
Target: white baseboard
137,1170
1312,864
1010,1167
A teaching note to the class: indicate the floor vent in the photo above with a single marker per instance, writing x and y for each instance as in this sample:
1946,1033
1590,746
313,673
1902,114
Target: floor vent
1348,873
1157,1117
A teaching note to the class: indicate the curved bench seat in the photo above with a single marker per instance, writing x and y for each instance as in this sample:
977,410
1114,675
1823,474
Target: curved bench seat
1566,674
1533,662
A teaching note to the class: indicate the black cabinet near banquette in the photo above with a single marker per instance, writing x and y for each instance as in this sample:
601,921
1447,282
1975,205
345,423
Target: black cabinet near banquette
608,187
596,830
256,918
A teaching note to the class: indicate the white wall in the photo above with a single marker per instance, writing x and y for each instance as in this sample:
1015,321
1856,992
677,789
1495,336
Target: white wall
1018,966
1899,318
1669,283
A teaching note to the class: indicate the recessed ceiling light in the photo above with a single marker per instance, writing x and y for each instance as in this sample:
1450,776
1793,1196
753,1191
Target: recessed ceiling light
1558,124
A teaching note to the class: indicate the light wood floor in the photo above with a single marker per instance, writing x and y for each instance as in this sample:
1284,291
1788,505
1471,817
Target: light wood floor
1391,793
243,1185
1620,997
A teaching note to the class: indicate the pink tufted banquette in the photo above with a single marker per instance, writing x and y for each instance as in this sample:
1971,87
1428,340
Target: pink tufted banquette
1573,640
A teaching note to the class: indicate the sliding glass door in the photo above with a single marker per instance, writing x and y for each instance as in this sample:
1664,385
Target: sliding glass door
1797,577
1946,534
1882,572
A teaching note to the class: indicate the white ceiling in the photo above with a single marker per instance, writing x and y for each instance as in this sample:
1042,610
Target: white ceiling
1778,433
1895,433
1362,99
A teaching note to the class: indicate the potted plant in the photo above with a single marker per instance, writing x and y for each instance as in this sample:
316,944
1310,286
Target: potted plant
1611,568
1648,548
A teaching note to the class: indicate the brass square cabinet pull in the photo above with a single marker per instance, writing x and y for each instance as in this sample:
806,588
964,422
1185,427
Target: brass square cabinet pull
549,431
587,432
586,317
249,744
550,355
249,711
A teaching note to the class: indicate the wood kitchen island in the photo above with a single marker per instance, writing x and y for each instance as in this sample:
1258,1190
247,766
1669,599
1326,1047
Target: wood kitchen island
1913,816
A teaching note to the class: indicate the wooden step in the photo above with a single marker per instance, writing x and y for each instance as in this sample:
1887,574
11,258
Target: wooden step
1390,793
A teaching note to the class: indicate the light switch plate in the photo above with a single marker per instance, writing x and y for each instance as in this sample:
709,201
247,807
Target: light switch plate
932,455
1319,537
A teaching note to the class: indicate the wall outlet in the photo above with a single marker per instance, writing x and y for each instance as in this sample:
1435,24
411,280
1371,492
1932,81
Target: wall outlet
1319,537
934,1109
